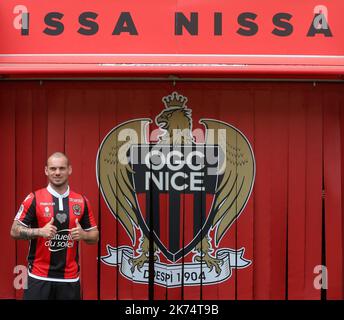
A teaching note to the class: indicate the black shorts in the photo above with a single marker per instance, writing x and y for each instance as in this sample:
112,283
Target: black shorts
51,290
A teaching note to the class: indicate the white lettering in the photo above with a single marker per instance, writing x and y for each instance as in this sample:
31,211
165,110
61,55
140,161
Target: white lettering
194,154
154,165
162,181
156,160
159,183
173,181
60,241
194,180
179,162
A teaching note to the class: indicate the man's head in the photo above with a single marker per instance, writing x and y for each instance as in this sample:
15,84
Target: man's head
58,169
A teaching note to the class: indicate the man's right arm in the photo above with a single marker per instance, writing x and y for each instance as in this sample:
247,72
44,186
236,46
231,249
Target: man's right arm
21,232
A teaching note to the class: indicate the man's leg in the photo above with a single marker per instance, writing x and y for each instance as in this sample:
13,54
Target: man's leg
39,290
68,290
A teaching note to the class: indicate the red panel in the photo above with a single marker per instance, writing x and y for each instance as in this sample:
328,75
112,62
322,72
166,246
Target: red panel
278,160
24,155
187,209
313,232
160,292
263,194
296,197
7,190
305,189
156,48
141,199
108,225
164,218
333,200
39,136
341,106
56,120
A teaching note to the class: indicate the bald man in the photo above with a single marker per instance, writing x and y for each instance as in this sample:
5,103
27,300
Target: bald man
54,220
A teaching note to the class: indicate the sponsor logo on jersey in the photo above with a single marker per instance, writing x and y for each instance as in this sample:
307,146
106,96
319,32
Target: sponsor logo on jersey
76,200
62,241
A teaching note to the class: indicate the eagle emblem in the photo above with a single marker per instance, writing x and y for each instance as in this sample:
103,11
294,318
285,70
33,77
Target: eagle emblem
173,191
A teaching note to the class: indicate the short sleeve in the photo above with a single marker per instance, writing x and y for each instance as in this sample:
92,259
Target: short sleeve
26,214
87,221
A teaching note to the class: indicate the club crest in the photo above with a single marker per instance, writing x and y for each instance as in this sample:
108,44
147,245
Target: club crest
76,209
176,197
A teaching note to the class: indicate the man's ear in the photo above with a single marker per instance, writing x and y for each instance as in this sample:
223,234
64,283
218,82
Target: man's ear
70,169
46,170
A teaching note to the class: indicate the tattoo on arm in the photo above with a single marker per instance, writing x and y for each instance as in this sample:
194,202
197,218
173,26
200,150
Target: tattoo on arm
25,233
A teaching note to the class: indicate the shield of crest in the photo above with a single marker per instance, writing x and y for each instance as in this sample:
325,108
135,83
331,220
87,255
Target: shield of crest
175,187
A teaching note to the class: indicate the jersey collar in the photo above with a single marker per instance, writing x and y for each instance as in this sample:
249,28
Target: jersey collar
60,197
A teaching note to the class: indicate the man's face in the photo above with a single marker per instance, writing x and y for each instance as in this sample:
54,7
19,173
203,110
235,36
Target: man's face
58,171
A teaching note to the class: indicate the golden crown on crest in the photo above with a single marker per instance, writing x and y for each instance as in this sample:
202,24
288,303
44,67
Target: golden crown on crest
175,100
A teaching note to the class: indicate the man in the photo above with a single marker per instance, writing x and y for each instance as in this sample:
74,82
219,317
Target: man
54,219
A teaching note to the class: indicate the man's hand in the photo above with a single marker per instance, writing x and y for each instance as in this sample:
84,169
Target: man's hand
48,231
20,232
78,233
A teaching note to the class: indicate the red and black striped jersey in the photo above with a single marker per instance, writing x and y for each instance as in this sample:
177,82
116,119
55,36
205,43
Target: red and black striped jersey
56,259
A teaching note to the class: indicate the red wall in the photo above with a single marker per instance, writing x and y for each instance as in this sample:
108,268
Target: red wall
295,129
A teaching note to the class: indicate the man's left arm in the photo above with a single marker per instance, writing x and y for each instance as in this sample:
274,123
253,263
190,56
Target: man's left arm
89,236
